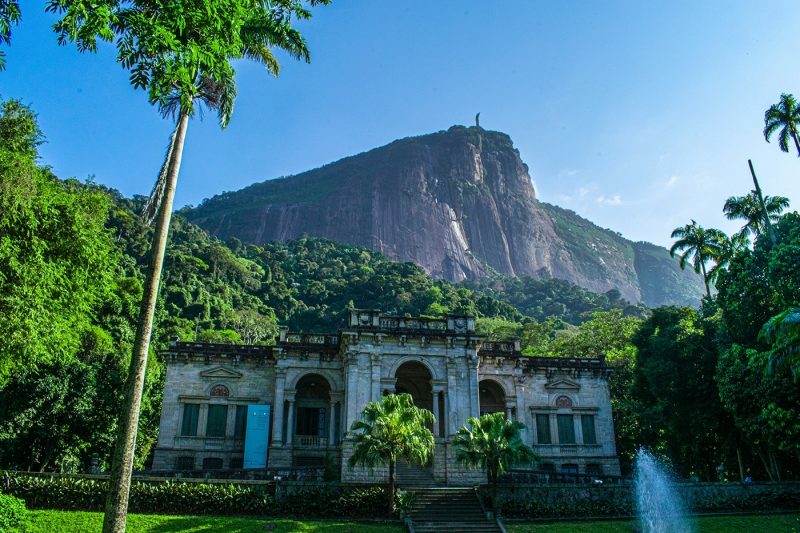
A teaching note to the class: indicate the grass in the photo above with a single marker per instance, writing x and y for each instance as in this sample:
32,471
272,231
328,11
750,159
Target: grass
87,522
704,524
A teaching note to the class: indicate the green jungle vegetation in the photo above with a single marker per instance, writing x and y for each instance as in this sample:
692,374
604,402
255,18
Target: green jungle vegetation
700,387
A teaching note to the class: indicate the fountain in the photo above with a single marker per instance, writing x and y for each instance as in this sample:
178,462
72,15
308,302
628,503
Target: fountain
658,506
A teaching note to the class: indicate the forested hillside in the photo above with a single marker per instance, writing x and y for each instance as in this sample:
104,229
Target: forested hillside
699,387
72,259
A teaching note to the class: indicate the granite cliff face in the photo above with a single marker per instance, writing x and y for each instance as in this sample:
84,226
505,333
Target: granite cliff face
458,203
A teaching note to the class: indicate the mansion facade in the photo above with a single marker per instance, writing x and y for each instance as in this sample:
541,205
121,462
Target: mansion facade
289,406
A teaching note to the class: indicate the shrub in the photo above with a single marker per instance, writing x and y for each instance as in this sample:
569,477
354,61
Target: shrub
13,514
176,497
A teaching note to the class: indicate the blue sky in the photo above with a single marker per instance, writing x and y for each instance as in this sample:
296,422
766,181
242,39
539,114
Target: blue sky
637,115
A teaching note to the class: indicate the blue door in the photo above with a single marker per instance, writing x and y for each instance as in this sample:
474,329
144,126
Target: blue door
256,436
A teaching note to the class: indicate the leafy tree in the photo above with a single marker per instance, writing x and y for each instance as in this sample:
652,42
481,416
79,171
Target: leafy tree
748,208
9,16
392,429
783,116
56,258
181,53
493,443
782,332
698,245
679,410
760,284
763,405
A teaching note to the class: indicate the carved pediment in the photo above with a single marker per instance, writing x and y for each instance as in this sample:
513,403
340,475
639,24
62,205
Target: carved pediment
221,372
562,384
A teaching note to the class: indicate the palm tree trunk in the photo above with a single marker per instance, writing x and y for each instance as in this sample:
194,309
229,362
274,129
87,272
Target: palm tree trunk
741,466
767,221
705,277
122,466
796,143
391,484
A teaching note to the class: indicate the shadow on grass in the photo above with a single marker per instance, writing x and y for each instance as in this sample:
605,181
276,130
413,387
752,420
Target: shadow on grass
196,524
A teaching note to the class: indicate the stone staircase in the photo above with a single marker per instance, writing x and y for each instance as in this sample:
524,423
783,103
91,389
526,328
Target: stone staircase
411,476
449,509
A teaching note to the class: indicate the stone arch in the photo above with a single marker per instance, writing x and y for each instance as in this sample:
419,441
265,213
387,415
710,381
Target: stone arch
414,358
214,392
564,401
312,406
414,377
491,396
334,381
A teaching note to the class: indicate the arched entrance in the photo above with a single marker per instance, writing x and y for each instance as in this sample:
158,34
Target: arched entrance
492,397
414,378
312,403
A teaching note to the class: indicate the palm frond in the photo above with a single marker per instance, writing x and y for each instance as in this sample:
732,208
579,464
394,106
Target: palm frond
153,203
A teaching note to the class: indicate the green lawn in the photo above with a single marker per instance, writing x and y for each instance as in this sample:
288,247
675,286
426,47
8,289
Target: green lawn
706,524
83,522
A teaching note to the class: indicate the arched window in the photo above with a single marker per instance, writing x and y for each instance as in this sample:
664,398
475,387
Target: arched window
220,391
563,401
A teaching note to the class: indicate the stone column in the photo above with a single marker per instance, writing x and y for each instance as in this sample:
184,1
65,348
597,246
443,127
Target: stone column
436,422
509,411
376,377
350,411
451,406
474,398
202,418
277,409
445,414
332,422
290,420
230,426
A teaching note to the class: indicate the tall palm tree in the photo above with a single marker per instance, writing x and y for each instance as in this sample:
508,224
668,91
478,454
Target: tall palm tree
492,442
698,245
392,429
180,52
728,248
784,116
748,208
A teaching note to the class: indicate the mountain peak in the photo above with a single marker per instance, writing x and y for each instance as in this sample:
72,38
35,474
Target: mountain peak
460,203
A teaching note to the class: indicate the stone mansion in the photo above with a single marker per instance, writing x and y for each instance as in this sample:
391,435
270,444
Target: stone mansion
289,406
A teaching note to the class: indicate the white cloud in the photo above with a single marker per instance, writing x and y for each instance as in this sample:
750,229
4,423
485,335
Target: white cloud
671,181
614,199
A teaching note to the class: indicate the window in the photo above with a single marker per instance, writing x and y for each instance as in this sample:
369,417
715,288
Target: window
184,463
237,462
569,469
547,467
587,425
217,420
543,429
190,413
212,463
594,469
566,429
311,421
220,391
240,428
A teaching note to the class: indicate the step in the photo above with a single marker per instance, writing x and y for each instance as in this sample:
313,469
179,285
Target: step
486,526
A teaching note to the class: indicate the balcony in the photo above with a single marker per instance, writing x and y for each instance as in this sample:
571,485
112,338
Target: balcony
310,441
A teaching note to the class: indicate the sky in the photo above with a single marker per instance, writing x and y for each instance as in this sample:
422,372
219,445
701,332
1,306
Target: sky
639,116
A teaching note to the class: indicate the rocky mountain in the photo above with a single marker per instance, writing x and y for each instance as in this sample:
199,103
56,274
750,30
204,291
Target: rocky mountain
459,203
